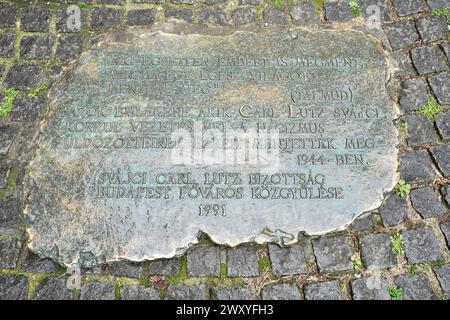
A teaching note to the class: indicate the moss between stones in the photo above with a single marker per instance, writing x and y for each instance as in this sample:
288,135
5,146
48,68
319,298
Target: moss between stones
117,295
10,183
182,273
33,282
35,91
8,100
223,270
264,264
355,7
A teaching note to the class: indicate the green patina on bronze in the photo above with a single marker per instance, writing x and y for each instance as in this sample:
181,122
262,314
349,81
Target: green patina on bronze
106,185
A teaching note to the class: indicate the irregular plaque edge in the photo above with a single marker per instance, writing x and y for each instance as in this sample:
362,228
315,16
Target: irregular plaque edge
191,29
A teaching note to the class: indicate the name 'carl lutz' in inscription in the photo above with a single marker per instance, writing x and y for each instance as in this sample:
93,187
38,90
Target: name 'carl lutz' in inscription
153,137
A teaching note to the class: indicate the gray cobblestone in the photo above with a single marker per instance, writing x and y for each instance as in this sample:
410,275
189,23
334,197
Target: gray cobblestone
280,291
445,227
136,292
62,18
7,45
446,48
250,2
184,14
104,18
322,291
5,215
393,210
126,269
421,245
276,16
211,2
35,18
36,47
432,28
243,16
183,1
69,47
10,215
237,293
242,261
304,14
203,260
370,288
413,94
401,34
97,291
376,252
8,14
441,155
141,17
438,4
13,287
443,124
113,2
165,267
333,253
416,167
362,223
7,136
288,260
415,287
25,76
420,130
443,275
427,203
213,16
440,84
28,109
338,11
404,8
185,292
53,289
9,253
34,263
404,66
381,4
428,59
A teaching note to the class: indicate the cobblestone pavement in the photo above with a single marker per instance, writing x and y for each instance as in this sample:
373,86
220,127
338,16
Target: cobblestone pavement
400,251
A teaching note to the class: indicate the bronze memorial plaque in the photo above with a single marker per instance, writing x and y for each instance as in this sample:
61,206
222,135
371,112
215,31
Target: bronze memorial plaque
152,137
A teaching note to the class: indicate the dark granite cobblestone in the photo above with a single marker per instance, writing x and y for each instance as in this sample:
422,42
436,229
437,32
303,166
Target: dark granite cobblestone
440,84
238,293
13,287
242,261
53,289
332,253
97,291
370,288
415,287
9,253
441,155
7,45
136,292
419,130
393,210
8,14
376,252
416,167
282,291
322,291
427,202
35,18
421,245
